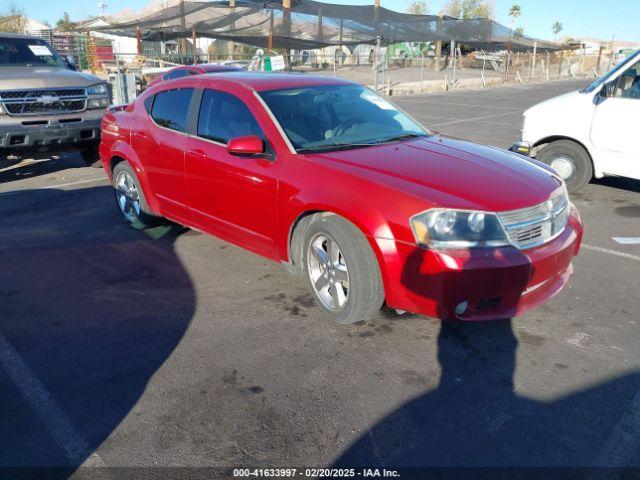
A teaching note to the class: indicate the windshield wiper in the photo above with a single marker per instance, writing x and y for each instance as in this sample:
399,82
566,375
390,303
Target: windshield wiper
334,147
404,136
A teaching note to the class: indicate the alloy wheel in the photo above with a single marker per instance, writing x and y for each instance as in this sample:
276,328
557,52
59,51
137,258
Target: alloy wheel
328,272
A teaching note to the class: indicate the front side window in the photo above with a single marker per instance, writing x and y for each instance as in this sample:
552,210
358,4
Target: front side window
170,108
224,116
629,83
332,117
28,52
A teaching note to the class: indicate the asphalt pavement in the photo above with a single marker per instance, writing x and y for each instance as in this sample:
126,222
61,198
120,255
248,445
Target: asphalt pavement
170,348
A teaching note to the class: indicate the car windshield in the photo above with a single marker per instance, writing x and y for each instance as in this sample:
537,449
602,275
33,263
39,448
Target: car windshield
338,117
28,52
612,72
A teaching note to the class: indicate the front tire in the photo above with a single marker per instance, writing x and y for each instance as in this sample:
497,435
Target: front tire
130,198
570,161
342,270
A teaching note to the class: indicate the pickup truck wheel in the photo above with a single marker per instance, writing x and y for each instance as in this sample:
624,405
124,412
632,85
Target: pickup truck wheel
130,199
91,157
342,270
570,161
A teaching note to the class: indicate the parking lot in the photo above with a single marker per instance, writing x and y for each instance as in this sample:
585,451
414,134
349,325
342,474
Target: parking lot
168,347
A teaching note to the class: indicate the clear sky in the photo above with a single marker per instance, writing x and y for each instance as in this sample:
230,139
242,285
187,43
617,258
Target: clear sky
581,18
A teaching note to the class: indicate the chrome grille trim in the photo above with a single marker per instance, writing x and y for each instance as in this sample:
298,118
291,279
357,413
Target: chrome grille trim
532,226
44,101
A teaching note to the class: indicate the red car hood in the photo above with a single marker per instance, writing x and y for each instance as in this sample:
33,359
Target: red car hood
450,173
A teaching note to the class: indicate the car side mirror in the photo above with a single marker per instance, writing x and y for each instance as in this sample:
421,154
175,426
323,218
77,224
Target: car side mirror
71,63
249,146
608,90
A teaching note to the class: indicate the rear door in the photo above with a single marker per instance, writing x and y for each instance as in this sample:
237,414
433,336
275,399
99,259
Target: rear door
162,147
232,197
615,126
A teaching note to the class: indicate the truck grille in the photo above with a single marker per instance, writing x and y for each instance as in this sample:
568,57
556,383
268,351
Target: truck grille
532,226
44,101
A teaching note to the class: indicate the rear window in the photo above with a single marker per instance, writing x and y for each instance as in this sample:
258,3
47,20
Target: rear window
170,108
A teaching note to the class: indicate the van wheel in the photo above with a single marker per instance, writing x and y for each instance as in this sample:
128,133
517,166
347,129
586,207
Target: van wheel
342,270
91,157
570,161
130,199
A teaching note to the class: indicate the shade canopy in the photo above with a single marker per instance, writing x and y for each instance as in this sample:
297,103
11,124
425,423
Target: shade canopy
309,24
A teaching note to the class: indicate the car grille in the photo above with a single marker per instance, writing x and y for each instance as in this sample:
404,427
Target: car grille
44,101
532,226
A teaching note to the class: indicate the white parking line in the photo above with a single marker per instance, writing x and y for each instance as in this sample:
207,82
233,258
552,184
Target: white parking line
628,256
627,240
623,441
71,442
70,184
476,118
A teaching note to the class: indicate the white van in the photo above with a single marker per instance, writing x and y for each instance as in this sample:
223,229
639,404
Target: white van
591,132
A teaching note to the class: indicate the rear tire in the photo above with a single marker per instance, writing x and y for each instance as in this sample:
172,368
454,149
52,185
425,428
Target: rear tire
570,161
342,270
130,198
91,157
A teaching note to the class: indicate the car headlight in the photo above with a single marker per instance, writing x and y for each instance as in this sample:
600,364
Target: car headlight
1,109
99,89
444,228
98,103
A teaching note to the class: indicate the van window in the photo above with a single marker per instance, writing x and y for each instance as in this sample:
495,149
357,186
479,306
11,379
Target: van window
170,108
224,116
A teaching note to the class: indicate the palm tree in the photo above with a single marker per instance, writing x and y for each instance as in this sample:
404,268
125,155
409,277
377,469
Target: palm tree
556,28
514,13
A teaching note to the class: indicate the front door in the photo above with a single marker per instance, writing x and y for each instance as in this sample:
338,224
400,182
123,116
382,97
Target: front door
615,126
230,196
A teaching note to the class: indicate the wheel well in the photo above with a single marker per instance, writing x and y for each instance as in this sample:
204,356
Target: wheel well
115,161
540,144
296,234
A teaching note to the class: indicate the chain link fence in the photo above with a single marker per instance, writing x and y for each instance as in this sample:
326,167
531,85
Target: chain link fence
388,72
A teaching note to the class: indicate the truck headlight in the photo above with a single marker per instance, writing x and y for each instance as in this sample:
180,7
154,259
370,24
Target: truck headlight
445,228
99,89
98,103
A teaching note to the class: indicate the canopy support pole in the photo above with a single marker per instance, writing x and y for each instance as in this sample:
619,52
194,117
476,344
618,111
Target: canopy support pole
182,45
193,40
286,18
138,40
232,44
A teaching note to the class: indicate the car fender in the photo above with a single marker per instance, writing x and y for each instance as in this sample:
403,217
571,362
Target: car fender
364,217
123,150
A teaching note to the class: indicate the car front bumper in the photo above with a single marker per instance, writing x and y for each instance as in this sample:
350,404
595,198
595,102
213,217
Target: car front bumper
54,132
493,283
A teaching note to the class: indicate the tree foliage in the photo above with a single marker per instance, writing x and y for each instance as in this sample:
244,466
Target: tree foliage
468,9
515,11
13,20
65,24
519,32
556,28
418,7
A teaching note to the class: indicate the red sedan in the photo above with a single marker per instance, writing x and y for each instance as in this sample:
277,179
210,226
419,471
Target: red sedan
341,187
188,70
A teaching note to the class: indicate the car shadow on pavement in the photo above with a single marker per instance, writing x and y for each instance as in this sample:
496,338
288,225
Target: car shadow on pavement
475,419
38,163
478,424
92,307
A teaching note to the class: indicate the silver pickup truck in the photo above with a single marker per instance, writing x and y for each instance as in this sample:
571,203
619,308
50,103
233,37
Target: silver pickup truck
45,103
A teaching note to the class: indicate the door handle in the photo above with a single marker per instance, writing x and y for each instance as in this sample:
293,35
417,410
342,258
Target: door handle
141,135
197,153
